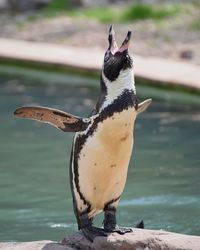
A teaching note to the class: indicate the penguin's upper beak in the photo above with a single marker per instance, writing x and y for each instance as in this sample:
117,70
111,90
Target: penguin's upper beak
113,44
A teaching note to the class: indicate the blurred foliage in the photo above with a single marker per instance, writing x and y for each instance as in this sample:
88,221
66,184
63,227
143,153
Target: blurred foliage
102,14
196,24
144,11
58,5
109,14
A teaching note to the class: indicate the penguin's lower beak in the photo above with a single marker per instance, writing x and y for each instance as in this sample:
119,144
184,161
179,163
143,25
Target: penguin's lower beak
113,44
125,44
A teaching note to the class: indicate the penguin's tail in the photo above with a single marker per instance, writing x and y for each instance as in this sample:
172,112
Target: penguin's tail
140,224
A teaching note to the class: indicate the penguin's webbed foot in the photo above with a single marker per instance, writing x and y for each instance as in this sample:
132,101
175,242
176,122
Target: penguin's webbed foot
110,224
91,232
122,230
119,230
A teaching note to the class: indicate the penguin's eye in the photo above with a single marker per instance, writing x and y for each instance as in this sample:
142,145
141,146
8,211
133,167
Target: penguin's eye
106,57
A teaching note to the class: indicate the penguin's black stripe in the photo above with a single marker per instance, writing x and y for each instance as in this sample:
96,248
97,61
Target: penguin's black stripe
126,100
72,189
75,127
76,212
79,142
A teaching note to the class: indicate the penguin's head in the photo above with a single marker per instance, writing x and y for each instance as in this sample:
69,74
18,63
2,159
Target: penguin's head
116,60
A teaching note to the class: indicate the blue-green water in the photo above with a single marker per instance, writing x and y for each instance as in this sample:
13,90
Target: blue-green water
163,184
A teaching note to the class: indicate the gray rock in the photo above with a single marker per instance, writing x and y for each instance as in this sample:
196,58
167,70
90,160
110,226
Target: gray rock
187,54
139,239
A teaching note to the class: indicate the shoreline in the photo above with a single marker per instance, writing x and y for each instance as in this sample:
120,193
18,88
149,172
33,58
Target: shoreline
171,74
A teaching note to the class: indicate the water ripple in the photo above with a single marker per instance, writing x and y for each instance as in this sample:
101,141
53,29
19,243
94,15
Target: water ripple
160,200
60,225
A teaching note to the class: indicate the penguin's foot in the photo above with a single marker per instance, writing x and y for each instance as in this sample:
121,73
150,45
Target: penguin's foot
91,232
119,230
110,224
122,230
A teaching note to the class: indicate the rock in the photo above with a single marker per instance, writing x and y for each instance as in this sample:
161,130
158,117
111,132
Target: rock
139,239
186,54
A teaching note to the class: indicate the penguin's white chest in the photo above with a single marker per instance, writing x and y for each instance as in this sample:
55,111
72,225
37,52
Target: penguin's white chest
104,159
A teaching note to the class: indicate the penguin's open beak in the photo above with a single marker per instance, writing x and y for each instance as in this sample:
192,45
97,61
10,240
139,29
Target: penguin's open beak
113,44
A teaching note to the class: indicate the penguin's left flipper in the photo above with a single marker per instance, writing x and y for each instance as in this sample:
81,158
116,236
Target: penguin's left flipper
59,119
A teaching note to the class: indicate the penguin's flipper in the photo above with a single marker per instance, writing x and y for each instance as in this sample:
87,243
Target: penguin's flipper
143,105
62,120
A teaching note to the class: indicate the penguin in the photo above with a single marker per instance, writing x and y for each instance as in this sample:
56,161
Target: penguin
103,142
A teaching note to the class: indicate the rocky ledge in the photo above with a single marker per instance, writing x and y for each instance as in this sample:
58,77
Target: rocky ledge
139,239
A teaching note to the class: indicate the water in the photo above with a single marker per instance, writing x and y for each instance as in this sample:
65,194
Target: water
163,184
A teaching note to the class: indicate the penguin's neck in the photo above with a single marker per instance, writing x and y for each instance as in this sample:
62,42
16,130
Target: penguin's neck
115,89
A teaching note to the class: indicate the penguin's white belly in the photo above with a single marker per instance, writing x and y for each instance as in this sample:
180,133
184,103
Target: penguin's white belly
104,159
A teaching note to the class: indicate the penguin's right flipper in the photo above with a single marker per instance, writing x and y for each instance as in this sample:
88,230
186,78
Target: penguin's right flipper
62,120
143,105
